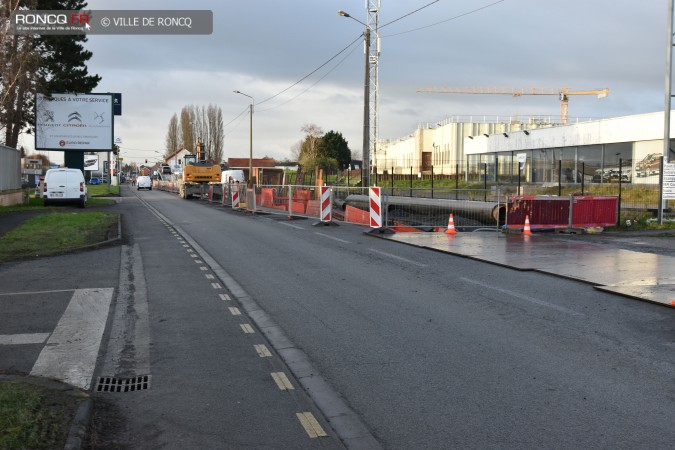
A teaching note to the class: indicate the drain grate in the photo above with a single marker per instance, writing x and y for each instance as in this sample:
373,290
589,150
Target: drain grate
113,384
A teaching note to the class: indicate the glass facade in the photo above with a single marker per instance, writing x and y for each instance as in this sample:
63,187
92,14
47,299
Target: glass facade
603,163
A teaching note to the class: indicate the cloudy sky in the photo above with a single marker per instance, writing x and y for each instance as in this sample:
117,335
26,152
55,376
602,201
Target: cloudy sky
264,47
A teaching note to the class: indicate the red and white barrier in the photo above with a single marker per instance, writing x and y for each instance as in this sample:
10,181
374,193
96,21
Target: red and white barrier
235,196
326,204
375,207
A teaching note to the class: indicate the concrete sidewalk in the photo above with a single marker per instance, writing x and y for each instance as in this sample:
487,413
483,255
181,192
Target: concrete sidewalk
628,265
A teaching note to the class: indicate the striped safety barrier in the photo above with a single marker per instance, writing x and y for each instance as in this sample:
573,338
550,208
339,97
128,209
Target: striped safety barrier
235,196
326,204
375,207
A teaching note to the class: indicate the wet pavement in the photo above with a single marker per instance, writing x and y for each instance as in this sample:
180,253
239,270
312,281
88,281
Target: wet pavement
640,267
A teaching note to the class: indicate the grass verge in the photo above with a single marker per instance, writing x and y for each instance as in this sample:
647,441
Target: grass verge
34,416
54,233
101,190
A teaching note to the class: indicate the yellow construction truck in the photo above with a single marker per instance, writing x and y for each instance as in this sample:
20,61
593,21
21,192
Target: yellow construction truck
197,174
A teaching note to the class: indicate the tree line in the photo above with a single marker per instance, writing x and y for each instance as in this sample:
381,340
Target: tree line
327,151
196,124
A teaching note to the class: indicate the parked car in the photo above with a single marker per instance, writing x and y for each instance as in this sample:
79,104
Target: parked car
94,180
144,182
64,186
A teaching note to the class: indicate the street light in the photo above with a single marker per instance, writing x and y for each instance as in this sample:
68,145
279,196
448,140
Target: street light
365,165
250,150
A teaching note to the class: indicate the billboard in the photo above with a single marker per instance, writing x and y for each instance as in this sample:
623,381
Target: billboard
78,122
91,162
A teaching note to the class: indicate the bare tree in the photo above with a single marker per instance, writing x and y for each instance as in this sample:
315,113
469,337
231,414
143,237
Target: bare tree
215,132
172,136
187,130
311,146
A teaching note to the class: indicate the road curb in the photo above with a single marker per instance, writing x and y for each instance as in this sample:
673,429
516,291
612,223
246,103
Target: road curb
80,426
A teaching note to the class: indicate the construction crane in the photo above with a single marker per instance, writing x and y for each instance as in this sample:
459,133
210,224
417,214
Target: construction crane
562,93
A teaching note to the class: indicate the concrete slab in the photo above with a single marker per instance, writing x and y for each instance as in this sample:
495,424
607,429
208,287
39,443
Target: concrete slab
641,275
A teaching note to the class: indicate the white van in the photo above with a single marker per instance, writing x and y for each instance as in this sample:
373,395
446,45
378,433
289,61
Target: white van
64,186
144,182
232,176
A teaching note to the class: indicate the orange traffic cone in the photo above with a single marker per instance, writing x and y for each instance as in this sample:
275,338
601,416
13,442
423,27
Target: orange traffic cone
526,230
451,226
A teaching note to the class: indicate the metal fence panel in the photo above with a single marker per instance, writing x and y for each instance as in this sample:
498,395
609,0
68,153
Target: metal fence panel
10,168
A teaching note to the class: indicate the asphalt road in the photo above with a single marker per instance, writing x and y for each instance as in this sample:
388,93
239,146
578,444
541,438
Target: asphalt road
381,343
435,351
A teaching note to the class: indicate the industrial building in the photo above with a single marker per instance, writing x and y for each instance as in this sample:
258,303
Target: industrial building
597,150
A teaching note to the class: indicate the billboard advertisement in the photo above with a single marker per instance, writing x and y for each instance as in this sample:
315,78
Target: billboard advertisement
78,122
91,162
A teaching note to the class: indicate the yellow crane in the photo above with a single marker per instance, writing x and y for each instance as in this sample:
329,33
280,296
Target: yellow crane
562,93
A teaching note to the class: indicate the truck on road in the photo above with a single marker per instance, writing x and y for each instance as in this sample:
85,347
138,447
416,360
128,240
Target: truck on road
197,174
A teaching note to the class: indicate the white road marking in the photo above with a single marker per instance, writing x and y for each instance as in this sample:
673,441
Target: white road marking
209,276
37,292
409,261
311,425
235,311
216,286
71,351
225,297
262,350
23,339
332,237
246,328
282,381
292,226
522,297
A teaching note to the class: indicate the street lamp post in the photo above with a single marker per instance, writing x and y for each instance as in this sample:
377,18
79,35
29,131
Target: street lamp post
365,165
250,137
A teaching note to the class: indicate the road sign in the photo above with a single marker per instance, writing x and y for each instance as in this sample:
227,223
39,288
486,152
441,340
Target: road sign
117,104
669,181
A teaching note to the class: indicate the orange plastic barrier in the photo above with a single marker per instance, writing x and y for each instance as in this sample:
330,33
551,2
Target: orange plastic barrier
356,215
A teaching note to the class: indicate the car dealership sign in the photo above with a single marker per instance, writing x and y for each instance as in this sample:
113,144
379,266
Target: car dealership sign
80,122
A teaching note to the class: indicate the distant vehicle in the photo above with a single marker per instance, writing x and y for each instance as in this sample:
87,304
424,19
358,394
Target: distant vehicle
144,182
94,180
64,186
232,176
601,176
649,165
166,169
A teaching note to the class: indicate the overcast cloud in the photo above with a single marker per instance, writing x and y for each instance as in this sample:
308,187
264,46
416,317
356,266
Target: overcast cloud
261,47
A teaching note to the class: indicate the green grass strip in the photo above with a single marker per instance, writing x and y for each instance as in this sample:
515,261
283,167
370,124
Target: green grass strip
54,233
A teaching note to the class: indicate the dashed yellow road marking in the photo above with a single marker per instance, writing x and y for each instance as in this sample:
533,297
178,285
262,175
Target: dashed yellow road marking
235,311
311,425
262,350
282,381
248,329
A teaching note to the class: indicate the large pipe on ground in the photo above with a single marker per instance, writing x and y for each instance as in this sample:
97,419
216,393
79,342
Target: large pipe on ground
485,211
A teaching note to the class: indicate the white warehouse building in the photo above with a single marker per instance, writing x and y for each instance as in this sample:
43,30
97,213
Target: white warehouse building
592,149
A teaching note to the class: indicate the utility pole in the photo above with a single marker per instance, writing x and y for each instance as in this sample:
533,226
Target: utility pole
666,110
373,61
